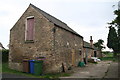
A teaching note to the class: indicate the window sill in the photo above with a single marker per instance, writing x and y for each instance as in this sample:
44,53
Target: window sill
29,41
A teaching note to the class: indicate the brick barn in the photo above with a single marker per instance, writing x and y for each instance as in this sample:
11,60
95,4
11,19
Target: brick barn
38,34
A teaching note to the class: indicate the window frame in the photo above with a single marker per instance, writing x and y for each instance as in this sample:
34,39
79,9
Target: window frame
26,26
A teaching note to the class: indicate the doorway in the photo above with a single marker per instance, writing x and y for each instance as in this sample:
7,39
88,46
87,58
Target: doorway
95,54
73,57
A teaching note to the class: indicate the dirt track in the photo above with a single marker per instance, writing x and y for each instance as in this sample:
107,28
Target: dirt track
104,69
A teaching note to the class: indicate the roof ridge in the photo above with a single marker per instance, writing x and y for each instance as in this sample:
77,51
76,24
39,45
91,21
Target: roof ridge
55,20
47,13
1,45
86,41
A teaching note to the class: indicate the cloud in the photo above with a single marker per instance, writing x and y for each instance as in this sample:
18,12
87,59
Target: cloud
87,17
98,32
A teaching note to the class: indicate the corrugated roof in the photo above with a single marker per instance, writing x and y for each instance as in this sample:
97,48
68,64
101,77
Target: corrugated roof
55,20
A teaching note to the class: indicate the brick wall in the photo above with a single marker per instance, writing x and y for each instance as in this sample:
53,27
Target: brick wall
65,42
42,45
56,46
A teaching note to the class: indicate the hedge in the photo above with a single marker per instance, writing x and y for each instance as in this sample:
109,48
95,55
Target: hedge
5,55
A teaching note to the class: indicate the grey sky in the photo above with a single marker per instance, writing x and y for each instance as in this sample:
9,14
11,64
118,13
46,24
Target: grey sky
86,17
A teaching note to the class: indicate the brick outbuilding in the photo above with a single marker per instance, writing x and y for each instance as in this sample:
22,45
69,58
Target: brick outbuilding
38,34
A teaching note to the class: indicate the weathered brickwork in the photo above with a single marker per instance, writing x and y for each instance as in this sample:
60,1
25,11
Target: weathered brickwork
42,45
50,41
87,52
65,42
99,54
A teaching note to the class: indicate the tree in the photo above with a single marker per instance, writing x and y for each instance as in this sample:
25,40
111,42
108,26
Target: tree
116,22
99,44
112,40
119,40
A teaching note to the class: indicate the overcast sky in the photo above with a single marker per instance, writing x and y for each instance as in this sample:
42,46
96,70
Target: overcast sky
86,17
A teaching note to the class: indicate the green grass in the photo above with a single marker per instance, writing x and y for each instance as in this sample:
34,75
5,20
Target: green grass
5,69
109,57
0,67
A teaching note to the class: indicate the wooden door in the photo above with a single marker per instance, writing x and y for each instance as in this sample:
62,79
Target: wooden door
30,29
73,57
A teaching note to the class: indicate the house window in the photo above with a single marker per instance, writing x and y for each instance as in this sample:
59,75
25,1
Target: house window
29,33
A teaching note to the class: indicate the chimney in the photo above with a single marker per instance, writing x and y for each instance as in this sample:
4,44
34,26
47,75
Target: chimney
91,41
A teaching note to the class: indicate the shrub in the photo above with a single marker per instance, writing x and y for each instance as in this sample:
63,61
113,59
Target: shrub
106,52
5,54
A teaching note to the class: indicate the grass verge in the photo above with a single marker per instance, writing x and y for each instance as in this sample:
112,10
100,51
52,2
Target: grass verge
5,69
0,68
109,57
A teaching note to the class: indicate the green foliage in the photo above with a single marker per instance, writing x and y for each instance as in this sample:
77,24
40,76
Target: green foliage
117,19
106,52
113,40
119,40
5,54
99,44
0,68
109,57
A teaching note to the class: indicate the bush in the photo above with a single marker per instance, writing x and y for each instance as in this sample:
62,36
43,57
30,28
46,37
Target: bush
106,52
5,54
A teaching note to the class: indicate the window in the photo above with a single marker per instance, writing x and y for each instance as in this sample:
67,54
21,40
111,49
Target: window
29,33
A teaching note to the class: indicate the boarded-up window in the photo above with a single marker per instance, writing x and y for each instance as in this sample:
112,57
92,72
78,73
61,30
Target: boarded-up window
30,29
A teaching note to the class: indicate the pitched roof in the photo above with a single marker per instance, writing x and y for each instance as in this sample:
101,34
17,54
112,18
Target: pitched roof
1,46
55,20
87,45
95,48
